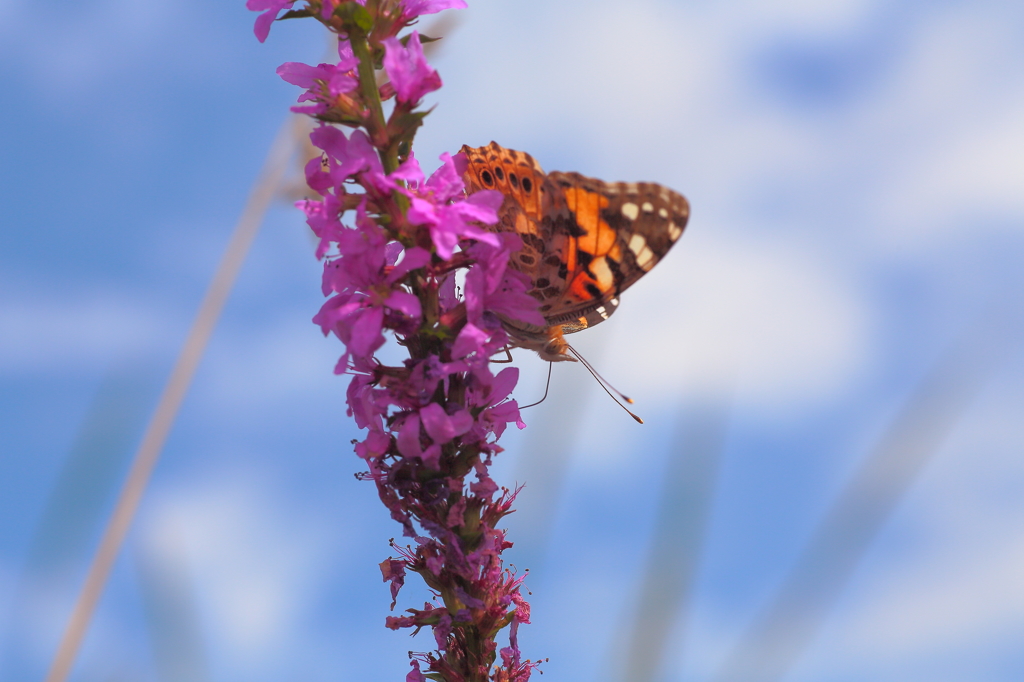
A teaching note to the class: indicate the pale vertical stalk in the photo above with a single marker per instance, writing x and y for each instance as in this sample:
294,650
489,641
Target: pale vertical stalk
170,401
687,489
779,637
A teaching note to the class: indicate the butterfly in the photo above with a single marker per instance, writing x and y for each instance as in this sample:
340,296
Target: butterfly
585,241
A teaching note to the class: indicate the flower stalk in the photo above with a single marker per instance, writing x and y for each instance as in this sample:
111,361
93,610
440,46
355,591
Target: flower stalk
392,242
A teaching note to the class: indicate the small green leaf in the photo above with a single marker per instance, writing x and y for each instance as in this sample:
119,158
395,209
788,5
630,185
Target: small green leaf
355,13
423,40
295,14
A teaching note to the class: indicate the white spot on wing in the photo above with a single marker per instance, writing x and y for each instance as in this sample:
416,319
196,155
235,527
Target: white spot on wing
630,210
674,231
663,212
637,243
602,273
648,207
645,259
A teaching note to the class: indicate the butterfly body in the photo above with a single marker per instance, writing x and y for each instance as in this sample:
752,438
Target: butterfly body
585,241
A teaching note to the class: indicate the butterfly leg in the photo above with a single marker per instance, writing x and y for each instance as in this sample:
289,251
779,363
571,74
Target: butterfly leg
508,357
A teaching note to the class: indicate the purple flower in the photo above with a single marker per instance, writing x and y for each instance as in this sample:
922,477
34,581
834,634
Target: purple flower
393,571
443,630
449,221
270,9
432,422
367,297
470,340
322,218
346,156
442,427
415,675
491,286
409,72
409,442
323,82
414,8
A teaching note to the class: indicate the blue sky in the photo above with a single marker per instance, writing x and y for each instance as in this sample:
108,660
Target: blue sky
856,172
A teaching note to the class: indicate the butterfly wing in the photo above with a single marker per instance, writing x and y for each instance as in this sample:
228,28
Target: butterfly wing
584,241
616,233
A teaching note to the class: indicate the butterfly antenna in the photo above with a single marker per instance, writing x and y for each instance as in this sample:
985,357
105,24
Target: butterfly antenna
597,375
546,387
603,383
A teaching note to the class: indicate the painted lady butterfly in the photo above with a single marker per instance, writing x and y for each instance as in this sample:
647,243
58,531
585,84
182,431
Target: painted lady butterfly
584,241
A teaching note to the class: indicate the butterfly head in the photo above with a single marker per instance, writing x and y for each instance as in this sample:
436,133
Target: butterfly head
548,342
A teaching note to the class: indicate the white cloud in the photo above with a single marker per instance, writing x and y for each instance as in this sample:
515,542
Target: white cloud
943,579
253,558
964,599
665,93
76,330
807,17
287,358
953,114
71,47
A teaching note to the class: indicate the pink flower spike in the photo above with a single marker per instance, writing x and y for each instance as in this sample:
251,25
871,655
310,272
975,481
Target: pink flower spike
408,70
412,260
270,9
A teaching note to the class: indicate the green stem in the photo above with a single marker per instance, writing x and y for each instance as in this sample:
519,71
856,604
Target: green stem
376,125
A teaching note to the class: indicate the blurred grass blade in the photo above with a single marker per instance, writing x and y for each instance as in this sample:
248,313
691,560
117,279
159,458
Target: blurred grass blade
88,480
777,639
545,456
83,493
170,401
684,502
171,607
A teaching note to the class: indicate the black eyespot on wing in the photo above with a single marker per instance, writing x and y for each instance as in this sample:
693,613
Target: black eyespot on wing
554,261
498,173
486,177
536,243
513,180
542,283
527,185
